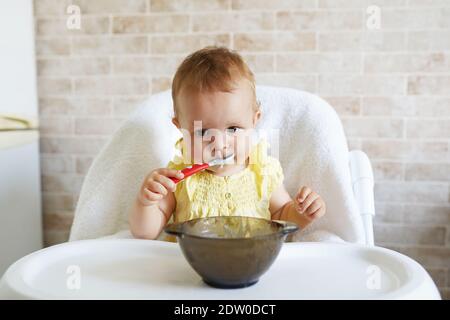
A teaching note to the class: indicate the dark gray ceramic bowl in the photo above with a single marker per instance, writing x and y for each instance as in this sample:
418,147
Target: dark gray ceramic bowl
231,252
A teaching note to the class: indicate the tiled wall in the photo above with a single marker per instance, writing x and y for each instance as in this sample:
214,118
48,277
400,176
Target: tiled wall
390,86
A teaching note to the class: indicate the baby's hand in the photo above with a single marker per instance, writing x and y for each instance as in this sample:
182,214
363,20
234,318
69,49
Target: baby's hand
157,184
309,204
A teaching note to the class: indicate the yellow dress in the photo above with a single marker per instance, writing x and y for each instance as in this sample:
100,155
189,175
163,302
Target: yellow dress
246,193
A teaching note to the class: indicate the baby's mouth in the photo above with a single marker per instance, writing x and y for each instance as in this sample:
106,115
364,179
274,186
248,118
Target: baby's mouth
221,162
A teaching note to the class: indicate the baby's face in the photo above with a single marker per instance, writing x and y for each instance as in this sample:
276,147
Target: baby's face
217,124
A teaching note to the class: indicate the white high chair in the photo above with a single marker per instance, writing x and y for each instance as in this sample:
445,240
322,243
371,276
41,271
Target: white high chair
363,184
304,130
314,152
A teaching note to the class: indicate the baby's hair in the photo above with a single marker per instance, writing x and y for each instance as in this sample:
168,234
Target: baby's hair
211,69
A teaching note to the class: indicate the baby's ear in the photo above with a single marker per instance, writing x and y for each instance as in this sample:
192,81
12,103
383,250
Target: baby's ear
175,122
256,117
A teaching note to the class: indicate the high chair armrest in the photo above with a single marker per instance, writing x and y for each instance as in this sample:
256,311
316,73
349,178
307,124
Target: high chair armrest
363,189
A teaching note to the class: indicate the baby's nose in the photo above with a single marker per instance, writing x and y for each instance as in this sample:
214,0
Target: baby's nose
222,145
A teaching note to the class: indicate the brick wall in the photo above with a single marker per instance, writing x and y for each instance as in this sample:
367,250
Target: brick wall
390,86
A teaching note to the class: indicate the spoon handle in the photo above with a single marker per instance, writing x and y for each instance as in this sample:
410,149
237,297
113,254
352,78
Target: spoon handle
189,171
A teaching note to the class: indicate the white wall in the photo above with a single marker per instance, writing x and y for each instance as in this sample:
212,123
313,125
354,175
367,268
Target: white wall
17,64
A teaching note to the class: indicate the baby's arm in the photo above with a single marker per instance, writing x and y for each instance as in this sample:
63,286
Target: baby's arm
306,207
154,204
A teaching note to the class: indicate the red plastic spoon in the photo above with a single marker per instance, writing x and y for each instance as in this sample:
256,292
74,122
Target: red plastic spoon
189,171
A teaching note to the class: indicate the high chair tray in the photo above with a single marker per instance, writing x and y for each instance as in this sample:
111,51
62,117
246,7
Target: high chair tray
140,269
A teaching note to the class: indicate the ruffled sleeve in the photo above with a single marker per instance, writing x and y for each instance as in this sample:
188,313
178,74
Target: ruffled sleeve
276,176
178,162
268,170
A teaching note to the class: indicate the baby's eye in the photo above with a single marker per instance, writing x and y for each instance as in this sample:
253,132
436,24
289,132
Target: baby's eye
233,129
201,132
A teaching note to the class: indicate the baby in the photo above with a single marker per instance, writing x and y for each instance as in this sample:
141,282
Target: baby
215,108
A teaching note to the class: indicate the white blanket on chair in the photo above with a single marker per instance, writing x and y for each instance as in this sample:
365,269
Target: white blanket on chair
312,150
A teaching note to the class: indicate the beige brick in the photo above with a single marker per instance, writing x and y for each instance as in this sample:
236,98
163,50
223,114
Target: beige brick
74,106
404,234
232,22
388,106
50,7
134,65
57,201
72,145
73,66
345,106
384,85
53,47
111,86
146,65
56,164
384,40
319,63
165,65
356,84
83,164
428,128
427,214
301,82
111,6
339,4
55,221
187,43
161,84
125,105
54,86
284,41
340,41
412,192
151,24
429,85
320,20
448,237
411,19
188,5
428,171
96,126
406,63
272,5
364,40
373,128
260,62
110,45
439,276
58,26
426,3
52,237
62,183
55,126
428,40
445,293
432,106
384,170
386,212
406,150
444,21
